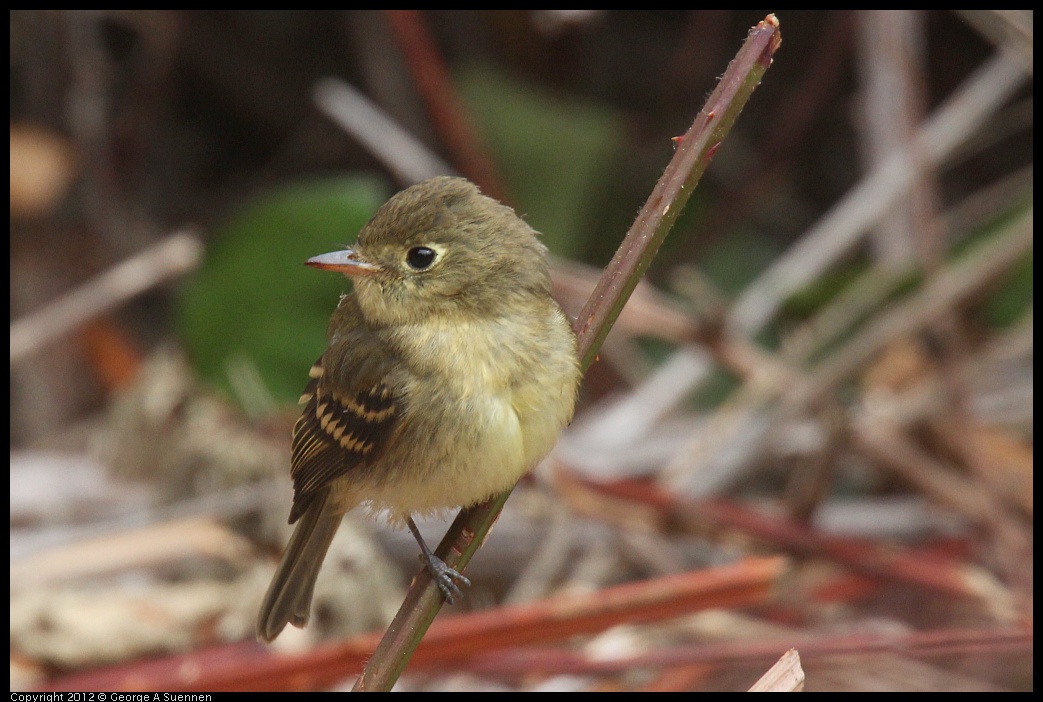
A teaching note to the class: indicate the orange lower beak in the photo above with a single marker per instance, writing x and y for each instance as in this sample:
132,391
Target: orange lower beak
346,262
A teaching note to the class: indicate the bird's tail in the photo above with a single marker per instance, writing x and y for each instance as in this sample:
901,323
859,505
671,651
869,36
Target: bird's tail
288,600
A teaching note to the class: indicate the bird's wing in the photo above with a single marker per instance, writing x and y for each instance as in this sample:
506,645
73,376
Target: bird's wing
350,415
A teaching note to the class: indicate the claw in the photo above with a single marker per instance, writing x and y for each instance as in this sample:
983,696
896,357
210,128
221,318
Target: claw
445,577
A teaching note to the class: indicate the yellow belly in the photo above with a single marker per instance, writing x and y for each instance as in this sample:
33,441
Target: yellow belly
475,423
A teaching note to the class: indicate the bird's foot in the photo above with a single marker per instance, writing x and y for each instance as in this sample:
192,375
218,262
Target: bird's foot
445,578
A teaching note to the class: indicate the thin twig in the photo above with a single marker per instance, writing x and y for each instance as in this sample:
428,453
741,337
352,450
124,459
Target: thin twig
400,152
890,51
938,642
427,66
1003,27
785,676
170,258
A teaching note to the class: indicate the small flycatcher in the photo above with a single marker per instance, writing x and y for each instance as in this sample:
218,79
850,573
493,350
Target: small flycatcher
448,374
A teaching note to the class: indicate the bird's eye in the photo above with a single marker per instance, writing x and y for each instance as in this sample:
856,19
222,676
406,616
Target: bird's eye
420,257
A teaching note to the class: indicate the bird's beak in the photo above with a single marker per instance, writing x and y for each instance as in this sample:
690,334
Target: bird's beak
346,262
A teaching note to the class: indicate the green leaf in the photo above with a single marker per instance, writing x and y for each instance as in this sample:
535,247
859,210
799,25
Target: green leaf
555,153
254,300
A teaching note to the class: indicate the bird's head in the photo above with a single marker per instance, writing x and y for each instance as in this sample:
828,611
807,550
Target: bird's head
442,248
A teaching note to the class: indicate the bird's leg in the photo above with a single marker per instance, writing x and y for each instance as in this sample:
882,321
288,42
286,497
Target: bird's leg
444,576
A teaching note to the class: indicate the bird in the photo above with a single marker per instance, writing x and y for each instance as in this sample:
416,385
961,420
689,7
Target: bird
449,372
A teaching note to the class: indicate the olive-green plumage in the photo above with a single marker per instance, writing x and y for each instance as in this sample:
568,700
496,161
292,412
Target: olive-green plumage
448,374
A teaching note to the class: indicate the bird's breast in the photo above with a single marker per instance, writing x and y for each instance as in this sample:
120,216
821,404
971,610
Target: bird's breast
486,400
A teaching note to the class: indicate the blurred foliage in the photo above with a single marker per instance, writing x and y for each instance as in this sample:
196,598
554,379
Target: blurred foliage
539,138
1002,306
811,298
255,301
735,260
1013,298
